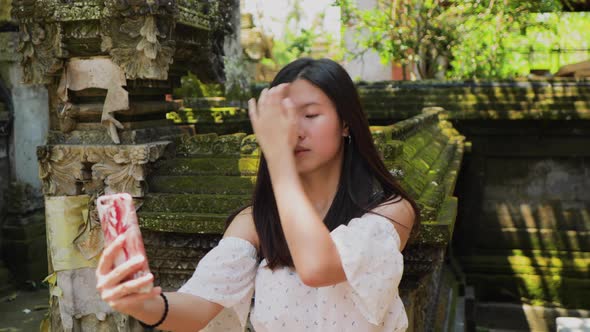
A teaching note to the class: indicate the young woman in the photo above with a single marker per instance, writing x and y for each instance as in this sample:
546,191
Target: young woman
320,245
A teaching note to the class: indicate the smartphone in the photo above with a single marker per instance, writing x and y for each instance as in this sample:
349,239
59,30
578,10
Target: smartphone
117,216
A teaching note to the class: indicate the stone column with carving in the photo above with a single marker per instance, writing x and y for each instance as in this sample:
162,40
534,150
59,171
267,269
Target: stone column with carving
109,66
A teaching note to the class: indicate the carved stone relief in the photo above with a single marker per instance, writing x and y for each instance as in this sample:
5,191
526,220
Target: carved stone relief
79,169
142,46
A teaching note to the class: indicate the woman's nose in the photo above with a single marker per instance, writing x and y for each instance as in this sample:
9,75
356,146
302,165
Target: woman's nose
300,129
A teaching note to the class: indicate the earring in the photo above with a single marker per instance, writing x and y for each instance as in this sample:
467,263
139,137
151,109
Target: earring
349,138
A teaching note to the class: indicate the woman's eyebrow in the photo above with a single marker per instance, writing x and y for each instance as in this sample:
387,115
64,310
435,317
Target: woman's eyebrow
309,104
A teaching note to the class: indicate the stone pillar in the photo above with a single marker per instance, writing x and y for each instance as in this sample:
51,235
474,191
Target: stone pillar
23,126
109,67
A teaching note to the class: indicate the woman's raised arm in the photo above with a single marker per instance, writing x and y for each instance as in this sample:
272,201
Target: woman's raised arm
186,312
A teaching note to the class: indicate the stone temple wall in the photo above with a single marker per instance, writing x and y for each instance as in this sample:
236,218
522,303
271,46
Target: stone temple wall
524,222
514,100
387,102
523,227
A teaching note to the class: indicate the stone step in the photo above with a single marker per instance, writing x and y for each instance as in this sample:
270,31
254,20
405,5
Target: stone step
6,280
213,184
472,100
431,96
219,115
500,91
193,203
470,96
187,223
539,265
553,290
563,114
542,239
499,212
494,316
173,256
207,166
213,145
428,96
408,105
532,254
394,115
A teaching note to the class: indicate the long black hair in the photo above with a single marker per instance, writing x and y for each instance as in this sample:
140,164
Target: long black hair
364,182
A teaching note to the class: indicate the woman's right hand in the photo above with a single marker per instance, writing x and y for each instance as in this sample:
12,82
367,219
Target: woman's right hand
114,286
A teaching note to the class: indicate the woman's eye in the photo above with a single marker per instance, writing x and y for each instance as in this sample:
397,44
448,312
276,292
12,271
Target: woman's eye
311,116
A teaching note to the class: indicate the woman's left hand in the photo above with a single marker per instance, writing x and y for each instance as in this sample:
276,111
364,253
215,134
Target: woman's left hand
274,120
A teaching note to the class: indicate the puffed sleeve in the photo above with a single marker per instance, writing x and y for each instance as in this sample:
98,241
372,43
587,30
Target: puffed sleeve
226,276
369,248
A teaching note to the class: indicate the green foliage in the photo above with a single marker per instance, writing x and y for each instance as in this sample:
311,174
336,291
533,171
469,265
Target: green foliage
557,39
299,42
236,87
462,39
191,86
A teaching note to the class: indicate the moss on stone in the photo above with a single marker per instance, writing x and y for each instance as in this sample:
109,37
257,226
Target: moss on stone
392,149
5,11
438,230
524,264
208,166
182,222
202,184
213,115
210,144
537,239
550,290
195,203
418,151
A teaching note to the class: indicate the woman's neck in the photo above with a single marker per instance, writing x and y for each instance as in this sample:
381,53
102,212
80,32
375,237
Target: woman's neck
321,186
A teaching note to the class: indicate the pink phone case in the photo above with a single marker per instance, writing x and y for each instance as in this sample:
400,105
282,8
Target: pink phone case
117,216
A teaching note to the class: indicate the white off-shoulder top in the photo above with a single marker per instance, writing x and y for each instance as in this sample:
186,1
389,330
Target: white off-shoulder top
369,248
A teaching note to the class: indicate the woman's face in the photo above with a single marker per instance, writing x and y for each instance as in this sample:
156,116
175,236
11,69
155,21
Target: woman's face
320,130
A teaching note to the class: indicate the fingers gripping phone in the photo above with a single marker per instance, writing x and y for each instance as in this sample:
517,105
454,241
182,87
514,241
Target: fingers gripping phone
117,216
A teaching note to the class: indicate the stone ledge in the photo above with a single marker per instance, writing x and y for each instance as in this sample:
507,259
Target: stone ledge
193,203
89,169
553,290
187,223
542,239
202,184
219,165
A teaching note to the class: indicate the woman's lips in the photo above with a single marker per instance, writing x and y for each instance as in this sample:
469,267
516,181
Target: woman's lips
300,151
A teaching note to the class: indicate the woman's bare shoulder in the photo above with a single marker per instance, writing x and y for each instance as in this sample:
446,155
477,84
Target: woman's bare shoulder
399,210
242,226
402,214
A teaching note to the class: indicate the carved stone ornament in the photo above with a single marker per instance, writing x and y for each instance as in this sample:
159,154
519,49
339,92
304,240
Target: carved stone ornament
141,46
123,169
78,169
40,43
143,37
39,49
60,169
